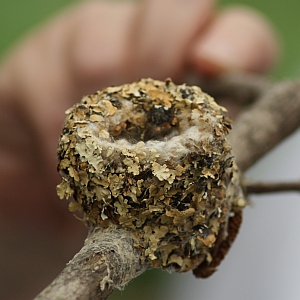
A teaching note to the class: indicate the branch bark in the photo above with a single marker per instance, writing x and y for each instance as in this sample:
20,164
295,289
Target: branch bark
241,88
274,116
235,90
107,261
252,187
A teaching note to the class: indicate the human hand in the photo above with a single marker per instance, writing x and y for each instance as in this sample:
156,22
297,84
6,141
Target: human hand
96,44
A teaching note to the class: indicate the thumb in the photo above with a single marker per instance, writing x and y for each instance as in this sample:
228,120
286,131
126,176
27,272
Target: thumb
239,38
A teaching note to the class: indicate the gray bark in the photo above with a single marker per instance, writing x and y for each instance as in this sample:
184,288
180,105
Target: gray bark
107,261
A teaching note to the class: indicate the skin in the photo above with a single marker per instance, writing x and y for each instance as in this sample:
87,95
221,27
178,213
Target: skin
91,45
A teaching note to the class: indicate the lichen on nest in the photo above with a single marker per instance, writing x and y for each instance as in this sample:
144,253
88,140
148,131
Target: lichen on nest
152,157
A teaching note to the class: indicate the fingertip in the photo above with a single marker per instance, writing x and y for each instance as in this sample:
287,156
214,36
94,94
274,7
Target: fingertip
239,38
166,29
99,47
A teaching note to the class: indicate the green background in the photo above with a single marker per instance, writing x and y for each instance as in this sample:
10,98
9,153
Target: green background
18,16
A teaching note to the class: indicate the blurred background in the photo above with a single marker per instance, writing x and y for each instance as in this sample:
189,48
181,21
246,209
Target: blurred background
264,260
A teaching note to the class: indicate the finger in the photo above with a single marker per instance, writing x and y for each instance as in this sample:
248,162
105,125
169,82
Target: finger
165,29
238,39
99,44
76,53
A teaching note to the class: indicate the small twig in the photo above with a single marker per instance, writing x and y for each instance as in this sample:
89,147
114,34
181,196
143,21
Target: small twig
252,187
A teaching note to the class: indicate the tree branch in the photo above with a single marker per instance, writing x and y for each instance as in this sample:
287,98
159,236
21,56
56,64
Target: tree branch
235,90
241,88
108,260
271,119
252,187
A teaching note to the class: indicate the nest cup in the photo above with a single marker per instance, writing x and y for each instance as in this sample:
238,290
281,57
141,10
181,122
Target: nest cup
153,158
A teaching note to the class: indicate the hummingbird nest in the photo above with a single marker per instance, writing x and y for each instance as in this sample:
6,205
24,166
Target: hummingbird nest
153,158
